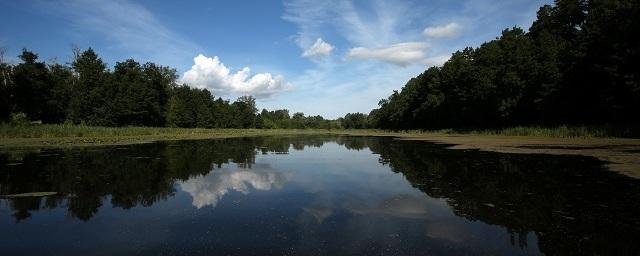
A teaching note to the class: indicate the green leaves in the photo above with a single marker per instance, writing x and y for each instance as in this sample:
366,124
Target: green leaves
577,65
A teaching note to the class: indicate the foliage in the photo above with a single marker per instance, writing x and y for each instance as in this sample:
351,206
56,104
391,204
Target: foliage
355,121
6,88
133,94
576,65
19,119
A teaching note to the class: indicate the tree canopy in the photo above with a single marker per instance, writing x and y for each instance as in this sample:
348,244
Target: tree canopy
132,94
576,65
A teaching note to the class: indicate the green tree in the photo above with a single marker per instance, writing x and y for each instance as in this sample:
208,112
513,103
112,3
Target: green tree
576,65
245,111
298,120
190,107
6,87
159,81
142,93
62,85
355,121
179,110
223,114
91,101
32,86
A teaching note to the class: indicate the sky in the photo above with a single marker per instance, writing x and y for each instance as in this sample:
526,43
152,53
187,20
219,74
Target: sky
324,57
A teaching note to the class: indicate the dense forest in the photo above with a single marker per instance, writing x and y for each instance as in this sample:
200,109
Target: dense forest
132,94
577,65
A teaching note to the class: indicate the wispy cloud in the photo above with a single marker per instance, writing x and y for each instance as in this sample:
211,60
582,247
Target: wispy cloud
310,16
358,27
377,52
127,26
133,29
318,49
369,34
400,54
446,31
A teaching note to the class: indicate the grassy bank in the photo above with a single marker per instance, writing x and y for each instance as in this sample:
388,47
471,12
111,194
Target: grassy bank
52,134
83,131
611,145
80,131
46,135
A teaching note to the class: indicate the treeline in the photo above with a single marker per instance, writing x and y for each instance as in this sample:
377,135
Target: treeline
132,94
577,65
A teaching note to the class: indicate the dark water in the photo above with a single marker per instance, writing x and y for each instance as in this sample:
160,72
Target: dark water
310,195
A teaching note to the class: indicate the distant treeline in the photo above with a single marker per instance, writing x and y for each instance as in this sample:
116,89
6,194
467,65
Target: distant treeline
132,94
579,64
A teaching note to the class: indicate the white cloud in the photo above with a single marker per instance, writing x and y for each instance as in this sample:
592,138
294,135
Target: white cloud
318,49
315,18
400,54
212,74
447,31
357,85
374,28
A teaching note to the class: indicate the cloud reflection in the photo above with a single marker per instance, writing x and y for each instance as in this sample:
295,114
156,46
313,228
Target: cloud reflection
209,189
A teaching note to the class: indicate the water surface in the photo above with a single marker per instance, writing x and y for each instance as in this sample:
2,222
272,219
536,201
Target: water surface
311,195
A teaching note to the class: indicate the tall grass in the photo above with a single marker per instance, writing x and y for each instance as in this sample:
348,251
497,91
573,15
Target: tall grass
65,130
82,131
554,132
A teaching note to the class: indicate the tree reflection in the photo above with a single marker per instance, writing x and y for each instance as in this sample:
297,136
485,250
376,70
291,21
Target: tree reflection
572,205
136,175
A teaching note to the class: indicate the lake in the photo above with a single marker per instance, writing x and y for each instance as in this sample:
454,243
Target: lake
311,195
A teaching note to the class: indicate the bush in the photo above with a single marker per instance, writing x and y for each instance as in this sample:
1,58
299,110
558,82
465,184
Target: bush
19,119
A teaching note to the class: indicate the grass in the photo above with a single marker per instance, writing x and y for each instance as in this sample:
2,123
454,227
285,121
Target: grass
79,131
609,144
44,135
538,131
64,134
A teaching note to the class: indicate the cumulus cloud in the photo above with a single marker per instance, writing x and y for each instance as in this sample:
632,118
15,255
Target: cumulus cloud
400,54
212,74
318,49
446,31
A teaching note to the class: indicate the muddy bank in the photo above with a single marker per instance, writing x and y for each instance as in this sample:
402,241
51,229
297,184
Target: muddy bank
621,155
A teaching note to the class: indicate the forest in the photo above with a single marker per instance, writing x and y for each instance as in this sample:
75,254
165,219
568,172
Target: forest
577,65
132,94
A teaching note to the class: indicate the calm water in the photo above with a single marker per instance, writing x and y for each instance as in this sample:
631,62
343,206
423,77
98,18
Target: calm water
312,195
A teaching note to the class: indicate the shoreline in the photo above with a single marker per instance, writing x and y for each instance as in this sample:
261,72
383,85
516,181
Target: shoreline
90,141
620,155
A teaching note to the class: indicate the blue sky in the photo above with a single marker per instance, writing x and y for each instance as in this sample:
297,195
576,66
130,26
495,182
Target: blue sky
317,57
